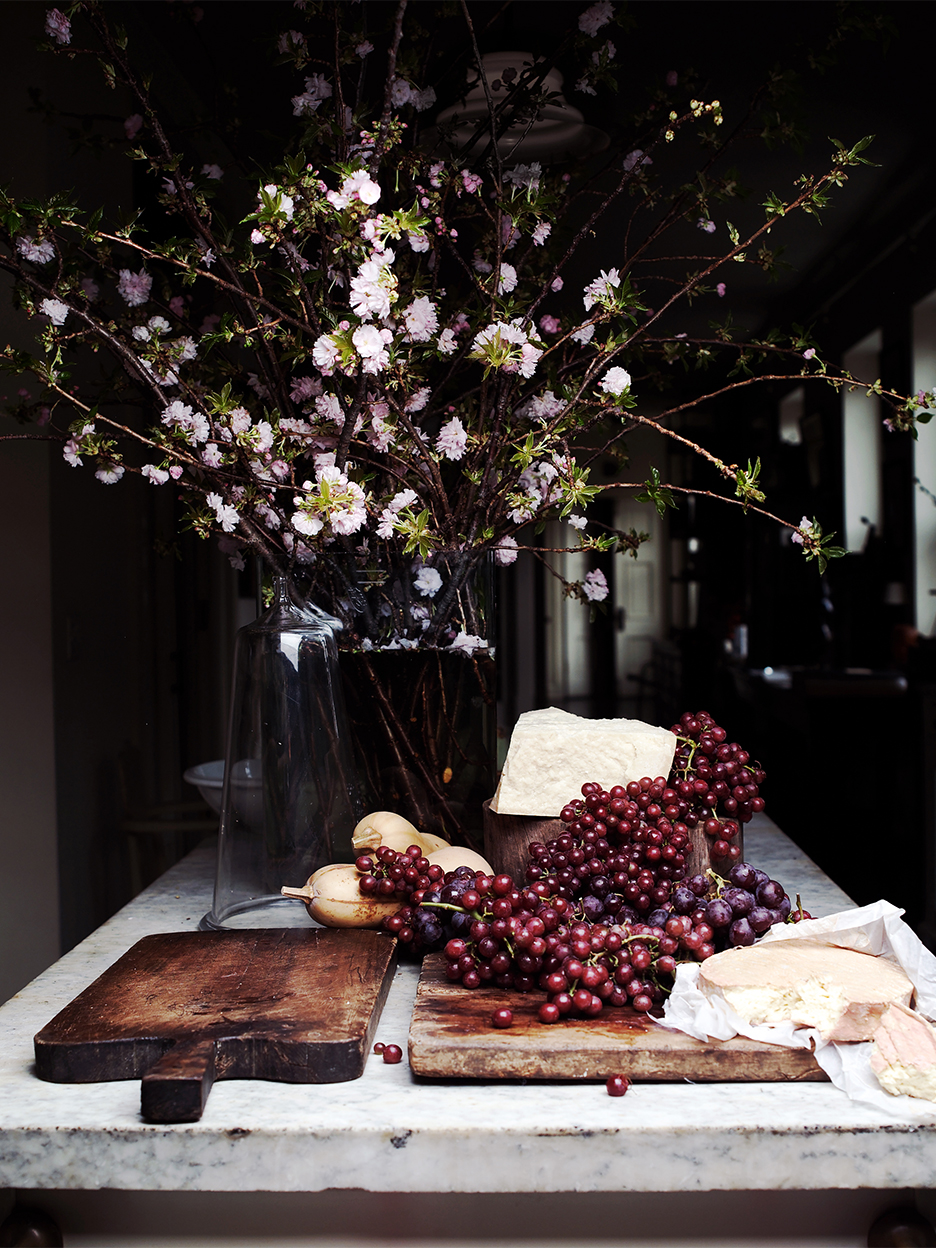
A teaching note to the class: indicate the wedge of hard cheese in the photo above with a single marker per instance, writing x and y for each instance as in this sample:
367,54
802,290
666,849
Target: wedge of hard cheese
552,754
904,1054
840,992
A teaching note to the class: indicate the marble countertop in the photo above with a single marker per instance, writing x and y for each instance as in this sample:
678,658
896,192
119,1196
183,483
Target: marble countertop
392,1132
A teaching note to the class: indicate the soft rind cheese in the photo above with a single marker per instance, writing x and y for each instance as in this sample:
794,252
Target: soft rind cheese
553,753
904,1054
840,992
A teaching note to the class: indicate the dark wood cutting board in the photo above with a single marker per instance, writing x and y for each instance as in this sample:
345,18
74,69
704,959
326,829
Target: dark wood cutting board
182,1009
451,1036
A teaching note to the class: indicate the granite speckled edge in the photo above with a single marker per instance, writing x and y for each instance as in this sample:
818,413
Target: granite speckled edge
389,1131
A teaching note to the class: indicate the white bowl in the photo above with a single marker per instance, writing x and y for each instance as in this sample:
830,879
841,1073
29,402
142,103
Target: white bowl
208,778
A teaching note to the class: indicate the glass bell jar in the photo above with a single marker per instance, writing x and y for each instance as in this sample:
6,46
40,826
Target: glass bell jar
289,802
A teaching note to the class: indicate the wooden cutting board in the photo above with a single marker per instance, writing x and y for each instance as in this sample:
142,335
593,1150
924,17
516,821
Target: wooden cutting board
182,1009
451,1036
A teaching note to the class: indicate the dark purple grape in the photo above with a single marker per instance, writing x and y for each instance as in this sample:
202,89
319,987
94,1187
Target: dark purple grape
741,933
600,886
761,876
760,919
743,875
698,884
784,909
592,908
740,900
656,918
683,901
769,893
718,913
460,922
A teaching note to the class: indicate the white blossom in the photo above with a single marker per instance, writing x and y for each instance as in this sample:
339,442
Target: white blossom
577,522
452,439
155,476
467,643
615,381
428,582
55,310
421,319
110,473
317,89
600,288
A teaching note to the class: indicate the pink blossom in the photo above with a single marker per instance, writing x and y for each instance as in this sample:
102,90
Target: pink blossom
446,342
596,16
36,253
325,354
256,237
470,181
704,223
132,126
549,324
226,515
90,288
57,26
421,100
177,305
508,279
595,586
418,242
505,552
134,287
556,285
317,89
421,319
304,388
635,158
211,456
401,93
364,49
417,401
600,289
541,232
452,439
367,341
215,172
155,476
109,473
529,358
809,353
175,471
290,41
720,290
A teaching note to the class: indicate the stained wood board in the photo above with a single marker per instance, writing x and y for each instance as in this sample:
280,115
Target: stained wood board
451,1036
182,1009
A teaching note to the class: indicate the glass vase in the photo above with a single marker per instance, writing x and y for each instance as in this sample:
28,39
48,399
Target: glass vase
420,686
290,799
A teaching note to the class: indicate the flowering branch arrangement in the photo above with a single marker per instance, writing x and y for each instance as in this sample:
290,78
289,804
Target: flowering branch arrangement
391,357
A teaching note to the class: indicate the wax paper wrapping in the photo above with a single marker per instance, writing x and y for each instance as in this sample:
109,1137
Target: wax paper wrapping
876,929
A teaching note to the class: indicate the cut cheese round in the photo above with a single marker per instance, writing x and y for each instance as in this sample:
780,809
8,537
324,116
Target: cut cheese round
904,1054
840,992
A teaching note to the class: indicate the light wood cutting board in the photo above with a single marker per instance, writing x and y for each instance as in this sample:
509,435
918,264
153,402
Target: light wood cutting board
451,1036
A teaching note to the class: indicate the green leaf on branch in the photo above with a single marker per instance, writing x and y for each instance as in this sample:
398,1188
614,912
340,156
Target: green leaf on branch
817,545
655,492
746,481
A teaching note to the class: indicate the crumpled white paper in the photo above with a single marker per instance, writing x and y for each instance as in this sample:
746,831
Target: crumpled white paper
877,929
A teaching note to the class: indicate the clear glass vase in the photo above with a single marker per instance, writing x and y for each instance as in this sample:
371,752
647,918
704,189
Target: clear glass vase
420,685
290,799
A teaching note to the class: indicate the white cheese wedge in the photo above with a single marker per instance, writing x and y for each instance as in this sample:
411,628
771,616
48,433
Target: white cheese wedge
840,992
552,754
904,1054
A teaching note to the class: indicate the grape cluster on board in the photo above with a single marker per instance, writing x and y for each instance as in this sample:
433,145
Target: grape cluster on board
606,910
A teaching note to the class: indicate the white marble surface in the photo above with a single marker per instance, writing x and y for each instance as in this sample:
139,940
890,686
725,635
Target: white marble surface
391,1132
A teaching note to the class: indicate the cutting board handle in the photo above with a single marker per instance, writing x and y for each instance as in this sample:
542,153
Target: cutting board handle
177,1087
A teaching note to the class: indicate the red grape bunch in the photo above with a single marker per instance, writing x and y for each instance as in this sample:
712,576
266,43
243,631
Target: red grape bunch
386,874
717,783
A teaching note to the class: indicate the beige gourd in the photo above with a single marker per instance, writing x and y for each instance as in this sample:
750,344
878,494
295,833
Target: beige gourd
333,898
385,827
